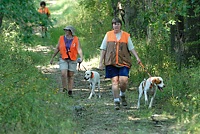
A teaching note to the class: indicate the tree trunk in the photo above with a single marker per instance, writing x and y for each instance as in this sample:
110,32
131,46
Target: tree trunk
148,6
180,40
192,32
114,7
130,15
1,14
172,38
1,19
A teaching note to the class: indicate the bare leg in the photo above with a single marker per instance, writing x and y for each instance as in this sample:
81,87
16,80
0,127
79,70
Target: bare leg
43,31
115,87
115,90
123,80
70,80
64,78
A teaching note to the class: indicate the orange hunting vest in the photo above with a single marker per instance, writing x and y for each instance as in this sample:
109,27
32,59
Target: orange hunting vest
44,10
72,52
117,52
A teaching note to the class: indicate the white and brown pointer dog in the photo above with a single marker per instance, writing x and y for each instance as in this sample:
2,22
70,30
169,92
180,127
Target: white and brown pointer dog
150,85
94,78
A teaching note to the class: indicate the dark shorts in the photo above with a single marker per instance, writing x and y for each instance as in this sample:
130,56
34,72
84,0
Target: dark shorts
112,71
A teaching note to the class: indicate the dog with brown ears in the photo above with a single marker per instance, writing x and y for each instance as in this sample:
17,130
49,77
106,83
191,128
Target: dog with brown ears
94,78
150,86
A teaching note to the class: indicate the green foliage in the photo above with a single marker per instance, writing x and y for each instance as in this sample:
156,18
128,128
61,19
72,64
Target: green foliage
185,97
29,102
24,16
95,20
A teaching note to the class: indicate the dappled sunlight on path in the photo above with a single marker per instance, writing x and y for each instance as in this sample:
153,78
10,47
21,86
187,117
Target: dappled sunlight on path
39,48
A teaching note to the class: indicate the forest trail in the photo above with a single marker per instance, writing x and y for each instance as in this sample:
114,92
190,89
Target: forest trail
97,115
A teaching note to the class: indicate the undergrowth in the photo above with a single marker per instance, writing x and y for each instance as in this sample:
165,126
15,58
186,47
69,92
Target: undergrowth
29,102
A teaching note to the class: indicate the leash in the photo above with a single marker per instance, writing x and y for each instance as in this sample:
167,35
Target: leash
79,66
144,69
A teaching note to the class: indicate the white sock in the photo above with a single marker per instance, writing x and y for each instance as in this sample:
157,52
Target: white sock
116,99
122,93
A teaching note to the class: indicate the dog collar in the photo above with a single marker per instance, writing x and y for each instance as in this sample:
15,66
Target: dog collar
151,85
92,76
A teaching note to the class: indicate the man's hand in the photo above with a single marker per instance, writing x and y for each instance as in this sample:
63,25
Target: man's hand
138,61
79,60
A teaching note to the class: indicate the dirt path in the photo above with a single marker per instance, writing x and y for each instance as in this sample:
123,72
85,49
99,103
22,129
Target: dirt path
98,116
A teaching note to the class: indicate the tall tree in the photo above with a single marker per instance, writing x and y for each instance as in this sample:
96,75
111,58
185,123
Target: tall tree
1,19
192,27
1,13
22,13
185,37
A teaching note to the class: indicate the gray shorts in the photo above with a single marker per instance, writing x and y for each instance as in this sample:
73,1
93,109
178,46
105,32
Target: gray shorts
67,65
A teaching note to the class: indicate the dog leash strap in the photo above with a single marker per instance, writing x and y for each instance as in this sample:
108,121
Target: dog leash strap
79,66
144,69
84,67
